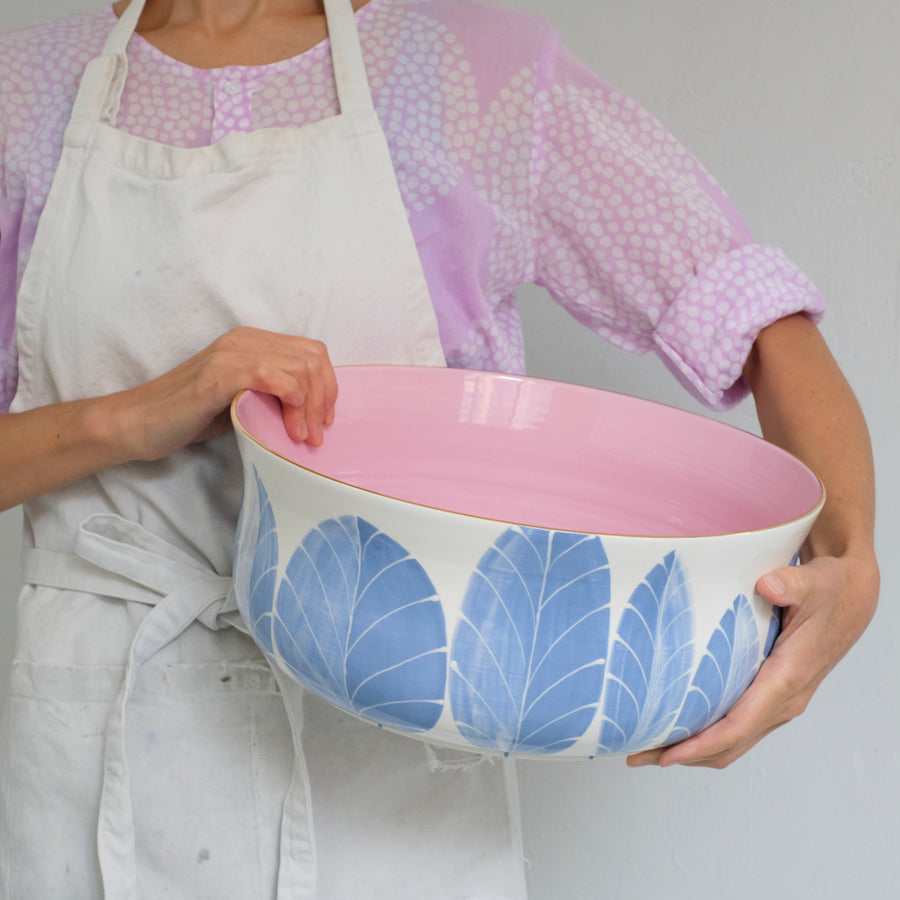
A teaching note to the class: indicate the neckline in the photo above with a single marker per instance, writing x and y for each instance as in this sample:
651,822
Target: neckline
150,49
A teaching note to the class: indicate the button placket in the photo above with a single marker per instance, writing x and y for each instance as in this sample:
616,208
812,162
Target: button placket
232,104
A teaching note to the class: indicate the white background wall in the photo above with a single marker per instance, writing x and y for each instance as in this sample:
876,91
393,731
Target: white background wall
795,107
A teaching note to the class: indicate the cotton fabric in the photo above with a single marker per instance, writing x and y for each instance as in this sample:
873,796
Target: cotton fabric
516,164
147,744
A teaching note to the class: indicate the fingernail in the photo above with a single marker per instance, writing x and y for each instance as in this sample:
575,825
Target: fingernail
775,584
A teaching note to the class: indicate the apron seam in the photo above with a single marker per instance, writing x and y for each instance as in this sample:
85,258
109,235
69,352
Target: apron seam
30,316
358,124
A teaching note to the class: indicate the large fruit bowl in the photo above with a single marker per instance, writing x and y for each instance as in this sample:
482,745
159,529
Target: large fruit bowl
513,565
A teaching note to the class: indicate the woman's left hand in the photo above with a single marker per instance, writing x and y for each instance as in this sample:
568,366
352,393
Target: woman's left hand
806,406
827,605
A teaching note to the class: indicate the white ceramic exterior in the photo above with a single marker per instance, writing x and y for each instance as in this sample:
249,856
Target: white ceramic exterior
536,642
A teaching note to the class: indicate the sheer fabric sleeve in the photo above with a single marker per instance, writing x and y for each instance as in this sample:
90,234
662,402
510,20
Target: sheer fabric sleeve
8,361
638,242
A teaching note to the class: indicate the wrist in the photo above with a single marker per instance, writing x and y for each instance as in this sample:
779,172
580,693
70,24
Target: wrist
108,431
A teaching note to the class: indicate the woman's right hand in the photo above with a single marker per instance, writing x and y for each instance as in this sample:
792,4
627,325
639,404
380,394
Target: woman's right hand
191,402
49,447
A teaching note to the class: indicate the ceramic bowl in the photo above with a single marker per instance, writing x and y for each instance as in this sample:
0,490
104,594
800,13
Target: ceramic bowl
513,565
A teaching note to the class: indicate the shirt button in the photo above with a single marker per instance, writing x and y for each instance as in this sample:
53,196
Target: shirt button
232,88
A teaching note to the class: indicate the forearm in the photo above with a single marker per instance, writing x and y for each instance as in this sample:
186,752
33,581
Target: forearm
49,447
805,405
55,445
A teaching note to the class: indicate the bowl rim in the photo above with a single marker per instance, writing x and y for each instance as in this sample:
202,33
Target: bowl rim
810,515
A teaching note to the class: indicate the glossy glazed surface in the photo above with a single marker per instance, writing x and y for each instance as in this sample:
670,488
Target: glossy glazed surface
515,566
542,453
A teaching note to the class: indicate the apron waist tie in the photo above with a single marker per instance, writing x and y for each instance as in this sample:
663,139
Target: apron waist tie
117,558
113,557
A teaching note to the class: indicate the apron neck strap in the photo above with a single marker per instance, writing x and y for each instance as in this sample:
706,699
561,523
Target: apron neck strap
100,91
346,57
121,34
104,78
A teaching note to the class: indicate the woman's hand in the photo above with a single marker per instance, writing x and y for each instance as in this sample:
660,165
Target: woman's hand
46,448
804,405
191,402
827,605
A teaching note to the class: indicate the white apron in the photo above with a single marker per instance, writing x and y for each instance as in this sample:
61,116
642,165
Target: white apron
147,751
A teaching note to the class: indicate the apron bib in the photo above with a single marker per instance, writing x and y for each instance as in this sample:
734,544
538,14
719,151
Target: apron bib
157,726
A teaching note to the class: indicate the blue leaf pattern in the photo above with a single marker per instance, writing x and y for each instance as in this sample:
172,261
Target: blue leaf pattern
650,663
528,652
745,655
246,535
774,630
356,620
726,669
263,572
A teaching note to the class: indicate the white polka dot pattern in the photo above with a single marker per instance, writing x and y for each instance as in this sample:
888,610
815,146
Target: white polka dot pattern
515,163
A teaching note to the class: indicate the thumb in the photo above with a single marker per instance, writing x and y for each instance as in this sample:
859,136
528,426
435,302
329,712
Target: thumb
784,587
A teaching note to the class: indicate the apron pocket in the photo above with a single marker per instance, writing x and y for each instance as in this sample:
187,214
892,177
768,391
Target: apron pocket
209,754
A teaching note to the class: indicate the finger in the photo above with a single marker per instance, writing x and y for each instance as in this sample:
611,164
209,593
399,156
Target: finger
322,396
644,758
314,407
787,586
767,704
330,384
277,378
721,758
738,729
270,377
295,421
305,421
716,749
724,758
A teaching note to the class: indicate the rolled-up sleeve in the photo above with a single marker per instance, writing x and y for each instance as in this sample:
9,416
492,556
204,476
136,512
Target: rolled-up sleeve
706,333
8,228
638,242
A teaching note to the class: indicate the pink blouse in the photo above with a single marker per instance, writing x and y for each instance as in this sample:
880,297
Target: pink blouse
515,162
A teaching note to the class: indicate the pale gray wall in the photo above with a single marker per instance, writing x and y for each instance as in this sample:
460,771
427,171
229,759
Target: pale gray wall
794,107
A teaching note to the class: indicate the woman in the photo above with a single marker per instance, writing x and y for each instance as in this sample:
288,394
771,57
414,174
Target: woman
213,225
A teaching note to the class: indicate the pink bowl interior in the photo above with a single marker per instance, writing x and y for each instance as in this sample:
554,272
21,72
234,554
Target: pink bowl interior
542,453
